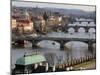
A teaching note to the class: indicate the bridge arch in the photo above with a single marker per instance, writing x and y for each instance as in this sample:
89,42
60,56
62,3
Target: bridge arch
50,44
81,29
84,23
75,43
77,49
89,46
92,23
92,30
71,30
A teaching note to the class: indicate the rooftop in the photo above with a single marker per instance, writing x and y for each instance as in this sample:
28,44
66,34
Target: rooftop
30,59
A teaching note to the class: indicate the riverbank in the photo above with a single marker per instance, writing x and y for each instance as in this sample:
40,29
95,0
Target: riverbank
86,65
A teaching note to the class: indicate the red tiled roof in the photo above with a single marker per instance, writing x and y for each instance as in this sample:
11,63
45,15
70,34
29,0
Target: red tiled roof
24,21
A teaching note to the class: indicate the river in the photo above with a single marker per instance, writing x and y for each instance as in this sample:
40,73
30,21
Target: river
75,49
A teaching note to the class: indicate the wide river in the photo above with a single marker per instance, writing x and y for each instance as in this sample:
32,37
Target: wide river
74,49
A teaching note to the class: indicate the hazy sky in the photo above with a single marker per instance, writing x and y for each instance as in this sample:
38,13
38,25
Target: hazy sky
66,6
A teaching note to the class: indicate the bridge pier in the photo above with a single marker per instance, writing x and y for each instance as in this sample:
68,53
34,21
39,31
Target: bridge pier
76,28
61,47
66,29
34,45
62,43
79,22
20,43
86,29
88,22
90,47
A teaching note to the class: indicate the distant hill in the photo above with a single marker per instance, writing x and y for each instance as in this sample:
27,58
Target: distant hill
70,12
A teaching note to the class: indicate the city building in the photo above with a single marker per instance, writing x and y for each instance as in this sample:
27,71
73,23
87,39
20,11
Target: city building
29,63
14,23
23,23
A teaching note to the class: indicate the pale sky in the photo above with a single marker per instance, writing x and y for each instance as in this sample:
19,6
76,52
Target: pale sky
65,6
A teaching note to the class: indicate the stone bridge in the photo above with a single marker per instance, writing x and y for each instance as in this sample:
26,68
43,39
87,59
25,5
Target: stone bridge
60,40
76,28
86,21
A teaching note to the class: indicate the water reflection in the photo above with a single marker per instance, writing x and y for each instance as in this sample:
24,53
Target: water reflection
73,50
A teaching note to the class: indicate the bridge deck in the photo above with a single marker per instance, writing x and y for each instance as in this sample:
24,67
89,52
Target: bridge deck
55,39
